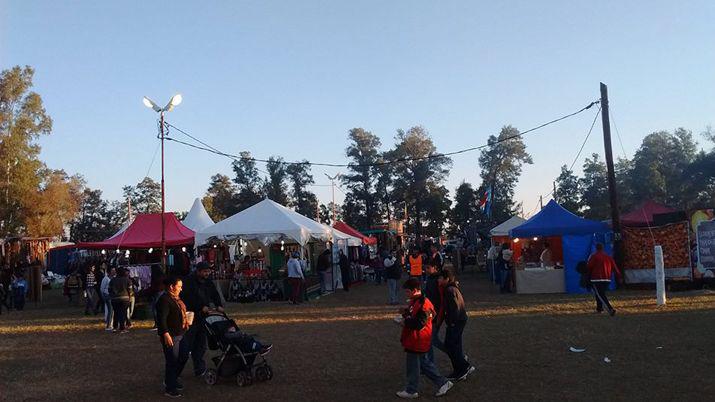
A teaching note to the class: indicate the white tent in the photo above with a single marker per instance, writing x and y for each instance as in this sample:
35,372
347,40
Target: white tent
504,228
197,218
352,241
266,222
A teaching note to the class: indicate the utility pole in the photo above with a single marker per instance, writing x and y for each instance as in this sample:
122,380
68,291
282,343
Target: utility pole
163,224
541,202
332,185
615,215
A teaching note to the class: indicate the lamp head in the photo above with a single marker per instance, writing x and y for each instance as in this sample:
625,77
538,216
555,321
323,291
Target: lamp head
151,105
174,101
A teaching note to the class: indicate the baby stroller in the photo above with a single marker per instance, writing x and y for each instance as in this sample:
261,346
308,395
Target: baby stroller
246,366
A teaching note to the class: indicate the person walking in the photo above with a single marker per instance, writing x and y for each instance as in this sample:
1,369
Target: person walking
436,257
416,339
455,319
104,292
119,292
90,291
433,292
173,321
19,291
601,267
201,297
492,255
133,289
393,273
416,260
344,270
324,267
504,262
296,278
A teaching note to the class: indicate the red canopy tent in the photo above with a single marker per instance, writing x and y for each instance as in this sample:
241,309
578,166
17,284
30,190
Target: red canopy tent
643,214
347,229
145,232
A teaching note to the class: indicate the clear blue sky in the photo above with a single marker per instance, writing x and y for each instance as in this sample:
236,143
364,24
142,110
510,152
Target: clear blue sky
290,78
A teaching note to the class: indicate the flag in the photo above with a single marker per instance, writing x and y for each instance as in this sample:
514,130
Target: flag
485,203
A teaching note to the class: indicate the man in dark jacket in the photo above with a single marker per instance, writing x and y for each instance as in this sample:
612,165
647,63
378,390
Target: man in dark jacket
455,318
344,270
434,293
201,297
324,267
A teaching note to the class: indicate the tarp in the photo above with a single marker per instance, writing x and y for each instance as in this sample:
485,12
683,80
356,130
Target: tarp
267,222
643,214
197,218
503,228
145,232
347,229
555,220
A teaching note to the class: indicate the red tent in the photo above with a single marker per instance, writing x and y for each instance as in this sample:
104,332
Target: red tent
643,214
347,229
145,232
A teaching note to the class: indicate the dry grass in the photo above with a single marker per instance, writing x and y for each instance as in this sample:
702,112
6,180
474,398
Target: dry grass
344,347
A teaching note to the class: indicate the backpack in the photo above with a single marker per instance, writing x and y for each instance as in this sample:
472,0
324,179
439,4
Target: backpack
585,280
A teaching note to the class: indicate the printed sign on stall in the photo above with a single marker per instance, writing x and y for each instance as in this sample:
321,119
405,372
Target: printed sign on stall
706,247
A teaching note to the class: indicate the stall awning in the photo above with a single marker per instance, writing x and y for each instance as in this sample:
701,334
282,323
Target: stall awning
345,228
555,220
643,214
503,228
145,232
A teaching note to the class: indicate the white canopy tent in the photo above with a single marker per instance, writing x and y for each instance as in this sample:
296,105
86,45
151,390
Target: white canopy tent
267,222
198,218
503,228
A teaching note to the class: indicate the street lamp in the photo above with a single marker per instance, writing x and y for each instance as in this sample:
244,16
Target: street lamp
173,102
332,185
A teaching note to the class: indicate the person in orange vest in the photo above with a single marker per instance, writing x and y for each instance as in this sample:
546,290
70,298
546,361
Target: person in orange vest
416,262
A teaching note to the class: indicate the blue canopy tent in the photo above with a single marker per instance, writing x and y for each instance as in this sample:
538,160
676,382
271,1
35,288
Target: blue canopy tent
578,238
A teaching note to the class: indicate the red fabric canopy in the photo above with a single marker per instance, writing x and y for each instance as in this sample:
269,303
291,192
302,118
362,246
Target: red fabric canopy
347,229
145,232
643,214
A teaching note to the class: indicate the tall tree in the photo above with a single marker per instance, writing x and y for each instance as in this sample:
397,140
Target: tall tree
363,152
624,184
465,210
304,201
220,198
56,204
568,190
145,196
22,121
501,164
594,189
419,179
326,213
275,186
93,222
248,182
383,187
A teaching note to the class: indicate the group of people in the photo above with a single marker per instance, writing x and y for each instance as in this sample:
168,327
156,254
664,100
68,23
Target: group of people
13,289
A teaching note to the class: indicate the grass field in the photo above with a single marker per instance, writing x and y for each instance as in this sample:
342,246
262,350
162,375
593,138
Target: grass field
345,347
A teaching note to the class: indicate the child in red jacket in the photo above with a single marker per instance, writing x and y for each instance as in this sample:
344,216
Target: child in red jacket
600,268
417,340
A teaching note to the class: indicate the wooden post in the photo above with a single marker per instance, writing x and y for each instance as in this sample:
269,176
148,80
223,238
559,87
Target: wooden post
613,195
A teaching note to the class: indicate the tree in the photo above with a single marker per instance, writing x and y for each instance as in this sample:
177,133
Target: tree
594,189
436,207
94,221
274,186
700,176
55,204
418,180
624,184
326,213
248,182
22,121
501,164
383,187
304,201
145,196
568,190
220,198
659,165
363,152
465,209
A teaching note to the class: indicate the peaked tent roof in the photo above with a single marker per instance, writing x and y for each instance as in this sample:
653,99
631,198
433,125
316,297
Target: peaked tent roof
503,228
555,220
643,214
145,232
345,228
197,217
266,221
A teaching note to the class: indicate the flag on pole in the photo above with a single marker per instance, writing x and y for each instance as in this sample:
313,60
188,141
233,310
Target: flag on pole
485,203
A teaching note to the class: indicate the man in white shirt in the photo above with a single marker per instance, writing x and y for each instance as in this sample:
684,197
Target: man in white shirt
296,278
104,290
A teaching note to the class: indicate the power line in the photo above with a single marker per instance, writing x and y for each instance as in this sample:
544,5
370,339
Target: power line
613,119
208,148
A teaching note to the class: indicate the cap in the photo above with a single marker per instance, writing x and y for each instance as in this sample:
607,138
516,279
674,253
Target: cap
203,265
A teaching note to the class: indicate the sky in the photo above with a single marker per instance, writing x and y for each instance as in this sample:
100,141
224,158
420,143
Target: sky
290,78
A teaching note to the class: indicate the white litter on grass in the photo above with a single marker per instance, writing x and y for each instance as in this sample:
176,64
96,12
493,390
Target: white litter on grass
659,347
606,359
576,350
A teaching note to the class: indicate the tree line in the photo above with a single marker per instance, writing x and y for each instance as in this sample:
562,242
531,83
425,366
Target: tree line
38,201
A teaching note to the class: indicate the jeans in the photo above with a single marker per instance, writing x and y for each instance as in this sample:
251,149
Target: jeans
436,342
196,344
453,347
324,281
599,292
345,276
120,314
108,310
506,280
176,358
392,291
90,302
130,310
296,295
417,363
19,298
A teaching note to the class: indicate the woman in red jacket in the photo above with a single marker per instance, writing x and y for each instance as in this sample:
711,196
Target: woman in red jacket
600,268
417,340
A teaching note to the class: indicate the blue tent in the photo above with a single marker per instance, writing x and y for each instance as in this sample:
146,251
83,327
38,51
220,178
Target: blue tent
578,238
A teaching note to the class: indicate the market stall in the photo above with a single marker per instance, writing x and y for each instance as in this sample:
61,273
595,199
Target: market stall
576,237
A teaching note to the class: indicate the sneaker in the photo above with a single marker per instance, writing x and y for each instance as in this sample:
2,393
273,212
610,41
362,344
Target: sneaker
470,370
109,329
407,395
444,388
179,385
173,394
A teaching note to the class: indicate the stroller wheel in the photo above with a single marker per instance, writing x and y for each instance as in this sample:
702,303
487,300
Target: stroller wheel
211,377
263,373
244,379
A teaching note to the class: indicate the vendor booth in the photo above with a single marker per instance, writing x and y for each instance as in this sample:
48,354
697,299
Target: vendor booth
358,253
571,240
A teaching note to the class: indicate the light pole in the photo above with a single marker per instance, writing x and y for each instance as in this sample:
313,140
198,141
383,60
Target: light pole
174,101
332,185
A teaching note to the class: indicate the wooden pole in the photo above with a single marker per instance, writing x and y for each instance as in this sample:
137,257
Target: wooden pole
613,195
